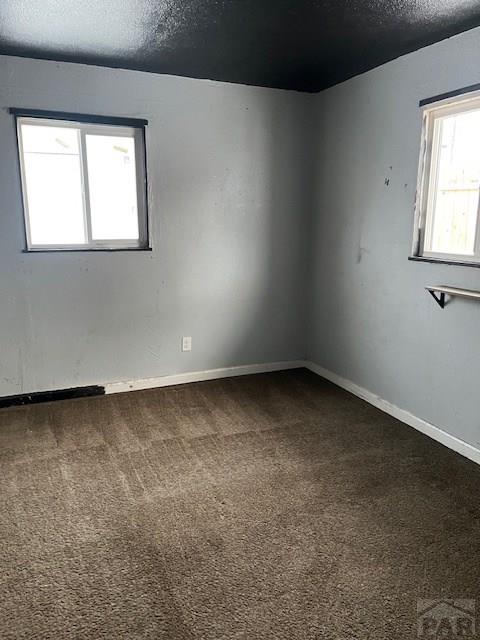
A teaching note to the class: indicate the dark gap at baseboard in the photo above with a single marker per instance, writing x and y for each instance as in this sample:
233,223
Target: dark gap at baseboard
49,396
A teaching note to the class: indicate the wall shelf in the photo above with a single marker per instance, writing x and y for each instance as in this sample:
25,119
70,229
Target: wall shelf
439,292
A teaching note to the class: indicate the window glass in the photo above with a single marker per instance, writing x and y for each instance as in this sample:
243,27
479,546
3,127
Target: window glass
457,185
112,187
53,183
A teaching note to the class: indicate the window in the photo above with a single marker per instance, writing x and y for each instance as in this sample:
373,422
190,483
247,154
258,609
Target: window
447,218
83,181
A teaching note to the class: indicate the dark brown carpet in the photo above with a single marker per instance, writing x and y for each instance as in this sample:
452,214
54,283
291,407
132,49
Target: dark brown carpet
273,506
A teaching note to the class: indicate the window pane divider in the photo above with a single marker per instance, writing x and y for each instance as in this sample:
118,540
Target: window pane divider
476,246
435,132
85,188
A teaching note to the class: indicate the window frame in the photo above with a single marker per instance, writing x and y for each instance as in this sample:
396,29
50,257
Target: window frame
101,125
433,110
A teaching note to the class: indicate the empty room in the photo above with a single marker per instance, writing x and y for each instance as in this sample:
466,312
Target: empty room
239,320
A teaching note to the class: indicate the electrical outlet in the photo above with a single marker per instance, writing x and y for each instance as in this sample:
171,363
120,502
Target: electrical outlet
186,343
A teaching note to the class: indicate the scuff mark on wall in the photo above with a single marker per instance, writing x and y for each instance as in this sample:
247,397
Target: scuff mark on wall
361,252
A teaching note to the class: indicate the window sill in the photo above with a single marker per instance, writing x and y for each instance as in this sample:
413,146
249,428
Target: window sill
88,250
457,263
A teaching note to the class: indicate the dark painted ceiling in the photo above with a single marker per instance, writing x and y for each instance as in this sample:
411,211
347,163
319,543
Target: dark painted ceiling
295,44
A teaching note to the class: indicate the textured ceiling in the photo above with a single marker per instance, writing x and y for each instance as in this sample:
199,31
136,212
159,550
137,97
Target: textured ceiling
296,44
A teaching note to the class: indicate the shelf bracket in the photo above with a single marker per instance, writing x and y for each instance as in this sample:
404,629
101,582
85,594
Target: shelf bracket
440,300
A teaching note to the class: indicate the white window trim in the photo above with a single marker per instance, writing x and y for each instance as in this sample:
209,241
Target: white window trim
138,134
433,112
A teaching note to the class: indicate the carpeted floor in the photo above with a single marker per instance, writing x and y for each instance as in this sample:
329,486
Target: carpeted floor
272,506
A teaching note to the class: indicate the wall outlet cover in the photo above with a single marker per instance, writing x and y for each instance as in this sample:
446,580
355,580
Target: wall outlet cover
186,343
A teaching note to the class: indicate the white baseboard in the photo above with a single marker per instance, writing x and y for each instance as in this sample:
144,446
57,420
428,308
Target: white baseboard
199,376
461,447
452,442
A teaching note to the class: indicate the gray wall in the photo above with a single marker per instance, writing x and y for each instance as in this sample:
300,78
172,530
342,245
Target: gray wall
370,319
229,204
